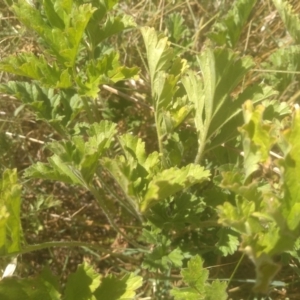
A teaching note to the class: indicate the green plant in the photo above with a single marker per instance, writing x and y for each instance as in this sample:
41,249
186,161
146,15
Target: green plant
191,185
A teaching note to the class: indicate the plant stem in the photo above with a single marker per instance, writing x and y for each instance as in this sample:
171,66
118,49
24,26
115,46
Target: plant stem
69,244
88,109
235,269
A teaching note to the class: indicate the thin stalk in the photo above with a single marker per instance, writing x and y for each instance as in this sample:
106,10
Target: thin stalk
202,143
88,110
160,139
235,269
69,244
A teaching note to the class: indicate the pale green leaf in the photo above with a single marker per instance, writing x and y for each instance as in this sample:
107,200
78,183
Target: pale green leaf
239,218
194,89
208,68
186,294
10,222
195,275
216,290
134,148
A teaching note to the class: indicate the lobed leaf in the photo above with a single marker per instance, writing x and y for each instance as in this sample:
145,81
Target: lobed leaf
82,284
195,276
171,181
228,30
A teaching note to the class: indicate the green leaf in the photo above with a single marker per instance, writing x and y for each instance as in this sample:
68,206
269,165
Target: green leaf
258,138
176,27
217,290
134,148
76,161
228,242
58,108
159,53
52,15
38,68
228,30
170,181
194,89
195,277
115,25
10,222
104,70
162,256
239,217
222,71
286,60
291,171
118,289
82,284
64,42
290,19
